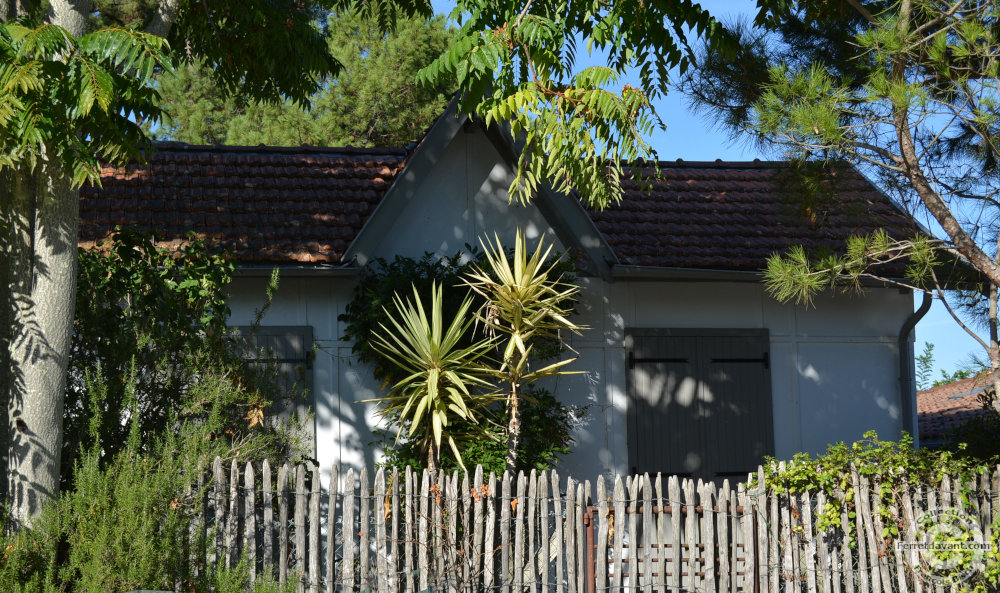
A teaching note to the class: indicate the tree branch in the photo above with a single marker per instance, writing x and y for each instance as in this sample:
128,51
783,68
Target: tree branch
936,205
862,11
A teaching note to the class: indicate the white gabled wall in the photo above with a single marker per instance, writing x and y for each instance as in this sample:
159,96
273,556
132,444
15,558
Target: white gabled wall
834,371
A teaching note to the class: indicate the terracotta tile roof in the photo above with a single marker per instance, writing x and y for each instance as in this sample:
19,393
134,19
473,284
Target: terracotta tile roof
943,408
266,204
305,205
733,215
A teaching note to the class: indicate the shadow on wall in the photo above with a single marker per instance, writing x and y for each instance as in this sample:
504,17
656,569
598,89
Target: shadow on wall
843,392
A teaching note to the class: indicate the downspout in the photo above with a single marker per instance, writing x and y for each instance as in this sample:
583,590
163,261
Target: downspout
907,380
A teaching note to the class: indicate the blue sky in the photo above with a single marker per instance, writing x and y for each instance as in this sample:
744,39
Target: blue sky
692,138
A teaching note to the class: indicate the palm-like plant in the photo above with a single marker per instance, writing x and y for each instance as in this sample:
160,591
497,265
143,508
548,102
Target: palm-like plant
526,300
444,383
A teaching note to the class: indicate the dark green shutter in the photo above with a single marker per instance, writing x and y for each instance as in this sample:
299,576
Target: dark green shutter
699,401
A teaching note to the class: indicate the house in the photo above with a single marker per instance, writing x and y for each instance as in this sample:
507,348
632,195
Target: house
691,367
943,409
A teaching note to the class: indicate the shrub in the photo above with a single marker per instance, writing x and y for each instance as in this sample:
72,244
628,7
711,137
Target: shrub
383,283
124,523
546,425
150,329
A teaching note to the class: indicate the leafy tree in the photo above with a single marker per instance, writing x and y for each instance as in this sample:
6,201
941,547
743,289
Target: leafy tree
150,328
72,96
956,375
906,90
516,62
374,101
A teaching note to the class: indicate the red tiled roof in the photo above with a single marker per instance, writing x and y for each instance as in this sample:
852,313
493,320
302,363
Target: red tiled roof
306,205
946,407
733,215
266,204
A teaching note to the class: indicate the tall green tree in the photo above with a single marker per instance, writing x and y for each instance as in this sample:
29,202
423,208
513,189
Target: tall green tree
909,92
374,101
77,77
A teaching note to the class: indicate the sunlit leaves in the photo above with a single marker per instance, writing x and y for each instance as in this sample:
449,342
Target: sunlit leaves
515,62
444,381
76,100
798,277
527,301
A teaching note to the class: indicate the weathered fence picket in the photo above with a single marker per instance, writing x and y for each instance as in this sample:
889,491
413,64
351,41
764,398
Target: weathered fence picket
404,532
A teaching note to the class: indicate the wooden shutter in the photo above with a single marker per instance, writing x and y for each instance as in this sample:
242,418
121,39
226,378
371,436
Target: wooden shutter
290,347
699,401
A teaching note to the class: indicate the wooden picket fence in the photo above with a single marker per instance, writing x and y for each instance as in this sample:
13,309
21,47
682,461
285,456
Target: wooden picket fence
403,532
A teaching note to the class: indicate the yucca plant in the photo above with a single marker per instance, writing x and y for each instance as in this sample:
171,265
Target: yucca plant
526,301
445,383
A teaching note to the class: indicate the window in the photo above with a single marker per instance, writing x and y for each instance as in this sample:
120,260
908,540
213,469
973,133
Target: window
290,347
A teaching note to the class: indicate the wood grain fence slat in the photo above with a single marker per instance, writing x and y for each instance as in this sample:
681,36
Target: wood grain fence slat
674,492
331,530
347,532
300,498
250,520
282,494
267,527
722,537
381,508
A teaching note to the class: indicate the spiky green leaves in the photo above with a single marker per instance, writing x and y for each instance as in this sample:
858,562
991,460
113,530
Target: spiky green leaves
515,62
77,100
525,301
444,381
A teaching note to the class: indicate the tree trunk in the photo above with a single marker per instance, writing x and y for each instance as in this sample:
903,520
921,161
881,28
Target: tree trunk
41,218
994,352
513,427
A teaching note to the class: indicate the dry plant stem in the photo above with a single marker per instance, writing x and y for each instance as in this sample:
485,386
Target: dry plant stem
513,427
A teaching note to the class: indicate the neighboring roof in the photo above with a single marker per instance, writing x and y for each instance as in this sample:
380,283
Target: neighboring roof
267,204
733,215
946,407
306,205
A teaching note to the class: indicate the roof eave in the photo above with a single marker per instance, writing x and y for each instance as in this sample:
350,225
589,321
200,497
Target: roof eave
296,270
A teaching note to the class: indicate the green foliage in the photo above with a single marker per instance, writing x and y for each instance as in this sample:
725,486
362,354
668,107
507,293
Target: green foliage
977,438
546,425
515,63
547,289
891,466
526,299
924,366
380,283
374,100
526,302
797,276
150,329
444,383
956,375
75,100
124,522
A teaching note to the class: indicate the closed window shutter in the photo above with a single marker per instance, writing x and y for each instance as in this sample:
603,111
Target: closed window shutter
290,348
699,401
